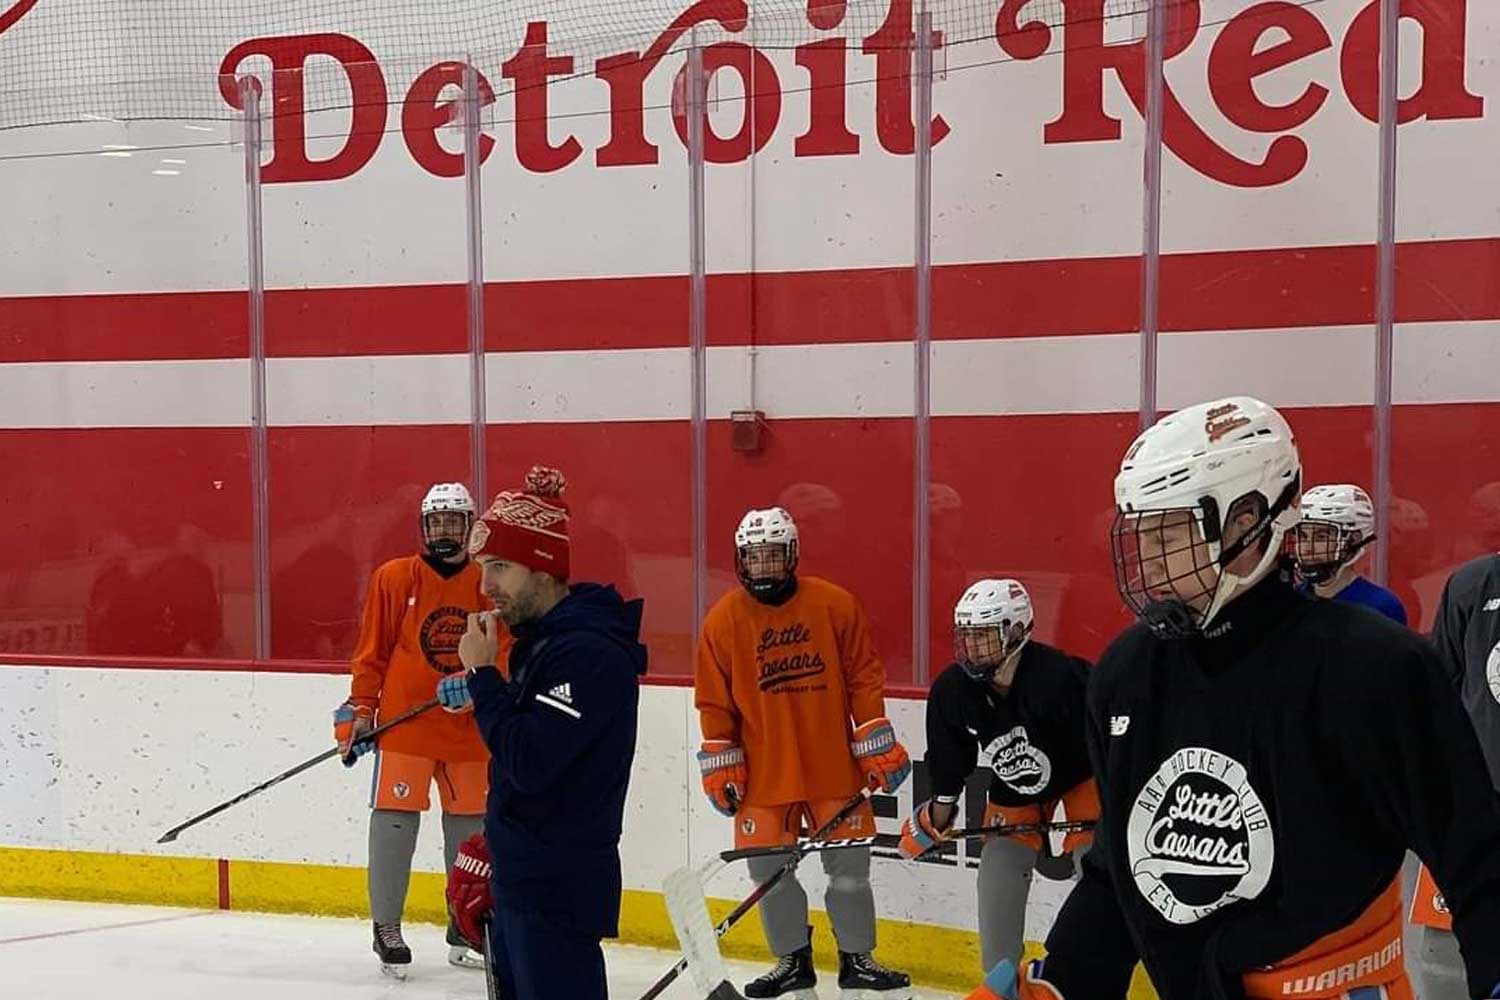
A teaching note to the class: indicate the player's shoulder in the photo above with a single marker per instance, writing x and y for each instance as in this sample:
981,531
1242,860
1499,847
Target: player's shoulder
1123,656
821,589
951,683
1475,574
723,611
1360,648
399,569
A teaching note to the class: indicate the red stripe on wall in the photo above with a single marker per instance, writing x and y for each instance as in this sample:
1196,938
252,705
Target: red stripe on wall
224,884
1232,289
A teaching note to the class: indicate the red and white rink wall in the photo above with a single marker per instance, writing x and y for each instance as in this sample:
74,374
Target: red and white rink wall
206,450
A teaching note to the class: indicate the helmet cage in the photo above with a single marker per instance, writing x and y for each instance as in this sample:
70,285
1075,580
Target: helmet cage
1322,548
446,532
982,650
765,568
1200,587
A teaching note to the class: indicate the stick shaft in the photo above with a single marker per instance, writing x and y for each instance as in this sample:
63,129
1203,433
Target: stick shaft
292,772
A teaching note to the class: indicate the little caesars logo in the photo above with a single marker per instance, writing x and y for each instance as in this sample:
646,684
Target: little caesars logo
782,658
1492,671
1023,767
439,638
1199,838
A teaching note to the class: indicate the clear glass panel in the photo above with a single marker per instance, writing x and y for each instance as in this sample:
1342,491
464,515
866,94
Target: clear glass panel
366,338
1036,316
1269,223
586,300
1445,442
124,394
810,286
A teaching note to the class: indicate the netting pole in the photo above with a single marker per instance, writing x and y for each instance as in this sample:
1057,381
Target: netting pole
260,530
474,217
922,351
1156,47
1385,281
695,106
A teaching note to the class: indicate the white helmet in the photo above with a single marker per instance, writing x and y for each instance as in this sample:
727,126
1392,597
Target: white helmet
992,621
1202,461
448,496
1337,522
772,526
440,499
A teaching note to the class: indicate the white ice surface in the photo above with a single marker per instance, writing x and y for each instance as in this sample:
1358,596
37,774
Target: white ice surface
90,951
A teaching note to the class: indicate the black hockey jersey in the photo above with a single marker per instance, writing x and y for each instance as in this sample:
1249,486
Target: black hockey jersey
1259,790
1030,739
1467,636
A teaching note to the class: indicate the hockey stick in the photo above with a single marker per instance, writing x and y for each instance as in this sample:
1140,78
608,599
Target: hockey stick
1010,829
798,852
491,987
405,716
688,909
802,845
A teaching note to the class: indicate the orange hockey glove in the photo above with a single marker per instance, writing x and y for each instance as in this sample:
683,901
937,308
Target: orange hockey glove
726,777
880,756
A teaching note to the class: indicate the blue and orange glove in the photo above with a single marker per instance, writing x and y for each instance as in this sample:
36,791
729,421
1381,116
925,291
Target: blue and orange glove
453,693
726,776
920,833
1004,984
881,758
350,722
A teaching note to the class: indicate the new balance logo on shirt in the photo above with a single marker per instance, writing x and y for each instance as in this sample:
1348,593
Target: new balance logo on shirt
1119,725
561,698
1493,604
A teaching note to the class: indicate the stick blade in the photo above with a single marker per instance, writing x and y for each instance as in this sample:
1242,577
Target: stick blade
688,910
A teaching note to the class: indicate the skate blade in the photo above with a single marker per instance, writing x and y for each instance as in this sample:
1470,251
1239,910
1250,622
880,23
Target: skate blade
805,993
465,958
864,993
397,972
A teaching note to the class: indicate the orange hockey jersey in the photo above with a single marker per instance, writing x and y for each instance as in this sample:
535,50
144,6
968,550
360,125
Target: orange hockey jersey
789,684
408,641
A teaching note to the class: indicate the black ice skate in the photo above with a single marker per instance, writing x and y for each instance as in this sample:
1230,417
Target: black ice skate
863,978
391,948
793,976
460,953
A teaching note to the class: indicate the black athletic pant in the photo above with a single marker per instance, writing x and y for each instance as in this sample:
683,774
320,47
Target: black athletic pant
537,960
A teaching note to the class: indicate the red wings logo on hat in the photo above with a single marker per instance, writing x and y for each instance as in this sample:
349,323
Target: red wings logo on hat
525,512
478,535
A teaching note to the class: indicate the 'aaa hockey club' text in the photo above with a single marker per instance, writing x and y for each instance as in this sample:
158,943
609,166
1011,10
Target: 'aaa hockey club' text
1199,838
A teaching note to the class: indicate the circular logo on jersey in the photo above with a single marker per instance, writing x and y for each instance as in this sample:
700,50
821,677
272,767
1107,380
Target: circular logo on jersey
1199,838
747,826
1024,768
401,789
1492,671
440,634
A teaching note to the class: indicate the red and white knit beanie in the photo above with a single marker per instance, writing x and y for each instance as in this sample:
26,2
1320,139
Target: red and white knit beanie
527,526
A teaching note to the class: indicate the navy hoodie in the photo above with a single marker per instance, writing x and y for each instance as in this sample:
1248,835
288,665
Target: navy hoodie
561,735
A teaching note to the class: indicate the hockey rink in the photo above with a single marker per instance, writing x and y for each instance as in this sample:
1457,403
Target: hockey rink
53,950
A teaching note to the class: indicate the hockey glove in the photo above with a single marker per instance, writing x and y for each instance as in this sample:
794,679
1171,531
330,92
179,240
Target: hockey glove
453,693
880,756
350,722
919,834
1003,984
726,778
469,890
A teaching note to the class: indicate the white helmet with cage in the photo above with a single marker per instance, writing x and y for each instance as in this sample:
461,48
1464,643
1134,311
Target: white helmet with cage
992,622
1338,521
1202,464
444,534
765,552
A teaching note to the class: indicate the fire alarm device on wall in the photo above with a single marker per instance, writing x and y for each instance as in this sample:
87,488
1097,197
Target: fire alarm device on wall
746,430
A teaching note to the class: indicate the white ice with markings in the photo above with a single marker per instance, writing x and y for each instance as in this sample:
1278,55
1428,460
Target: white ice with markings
53,950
